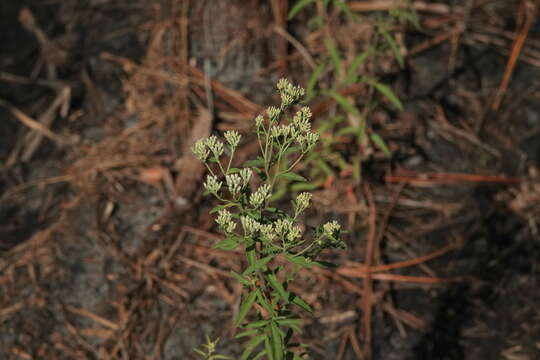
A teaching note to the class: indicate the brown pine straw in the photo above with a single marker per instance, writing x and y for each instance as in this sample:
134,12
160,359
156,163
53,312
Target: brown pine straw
414,178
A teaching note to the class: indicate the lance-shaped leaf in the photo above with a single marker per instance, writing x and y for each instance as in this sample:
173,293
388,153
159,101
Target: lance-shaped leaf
246,306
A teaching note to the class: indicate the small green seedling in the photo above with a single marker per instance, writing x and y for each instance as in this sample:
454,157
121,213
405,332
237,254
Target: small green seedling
269,237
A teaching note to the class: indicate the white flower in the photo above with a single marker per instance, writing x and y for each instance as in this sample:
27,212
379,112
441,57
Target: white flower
212,184
250,225
233,138
259,197
302,202
215,146
331,228
301,120
273,113
289,93
259,121
225,222
245,174
234,183
200,150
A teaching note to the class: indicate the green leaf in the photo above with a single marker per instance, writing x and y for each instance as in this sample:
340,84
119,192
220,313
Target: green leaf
228,244
345,8
251,345
262,301
323,165
246,306
348,130
291,323
257,324
312,82
344,103
333,52
306,186
233,171
393,46
258,264
259,162
299,260
277,341
298,6
292,176
241,279
268,348
379,142
389,94
276,284
221,207
246,333
260,355
298,301
359,60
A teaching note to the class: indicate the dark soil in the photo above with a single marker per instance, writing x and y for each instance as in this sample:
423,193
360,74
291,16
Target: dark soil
105,248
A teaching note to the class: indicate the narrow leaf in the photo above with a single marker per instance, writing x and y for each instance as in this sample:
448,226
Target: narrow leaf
292,176
258,264
344,103
246,333
241,279
277,341
389,94
298,301
333,52
393,46
379,142
299,260
228,244
298,6
245,307
313,79
359,60
251,345
276,284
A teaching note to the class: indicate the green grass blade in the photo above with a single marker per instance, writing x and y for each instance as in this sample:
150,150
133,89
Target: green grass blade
297,7
389,94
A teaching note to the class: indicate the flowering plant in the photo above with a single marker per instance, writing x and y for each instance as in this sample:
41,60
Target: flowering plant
265,232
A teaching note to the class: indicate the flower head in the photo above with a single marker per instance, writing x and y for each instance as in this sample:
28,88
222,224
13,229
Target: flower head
200,150
302,202
225,222
289,93
212,184
259,197
245,174
251,226
215,146
234,183
233,138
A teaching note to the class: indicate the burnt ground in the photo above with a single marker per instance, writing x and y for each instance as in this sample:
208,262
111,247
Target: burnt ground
105,237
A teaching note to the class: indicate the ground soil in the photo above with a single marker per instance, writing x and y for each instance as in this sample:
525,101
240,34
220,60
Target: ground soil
105,237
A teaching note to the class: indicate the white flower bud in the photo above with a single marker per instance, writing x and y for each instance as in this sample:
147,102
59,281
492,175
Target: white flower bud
234,183
250,225
273,113
289,93
302,202
233,138
212,184
331,228
225,222
215,146
200,150
259,197
259,121
301,120
245,174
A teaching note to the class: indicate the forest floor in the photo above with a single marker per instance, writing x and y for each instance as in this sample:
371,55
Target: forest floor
105,236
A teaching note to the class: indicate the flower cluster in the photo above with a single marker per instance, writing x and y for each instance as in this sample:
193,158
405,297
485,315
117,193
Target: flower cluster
289,93
212,185
302,202
259,197
225,221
